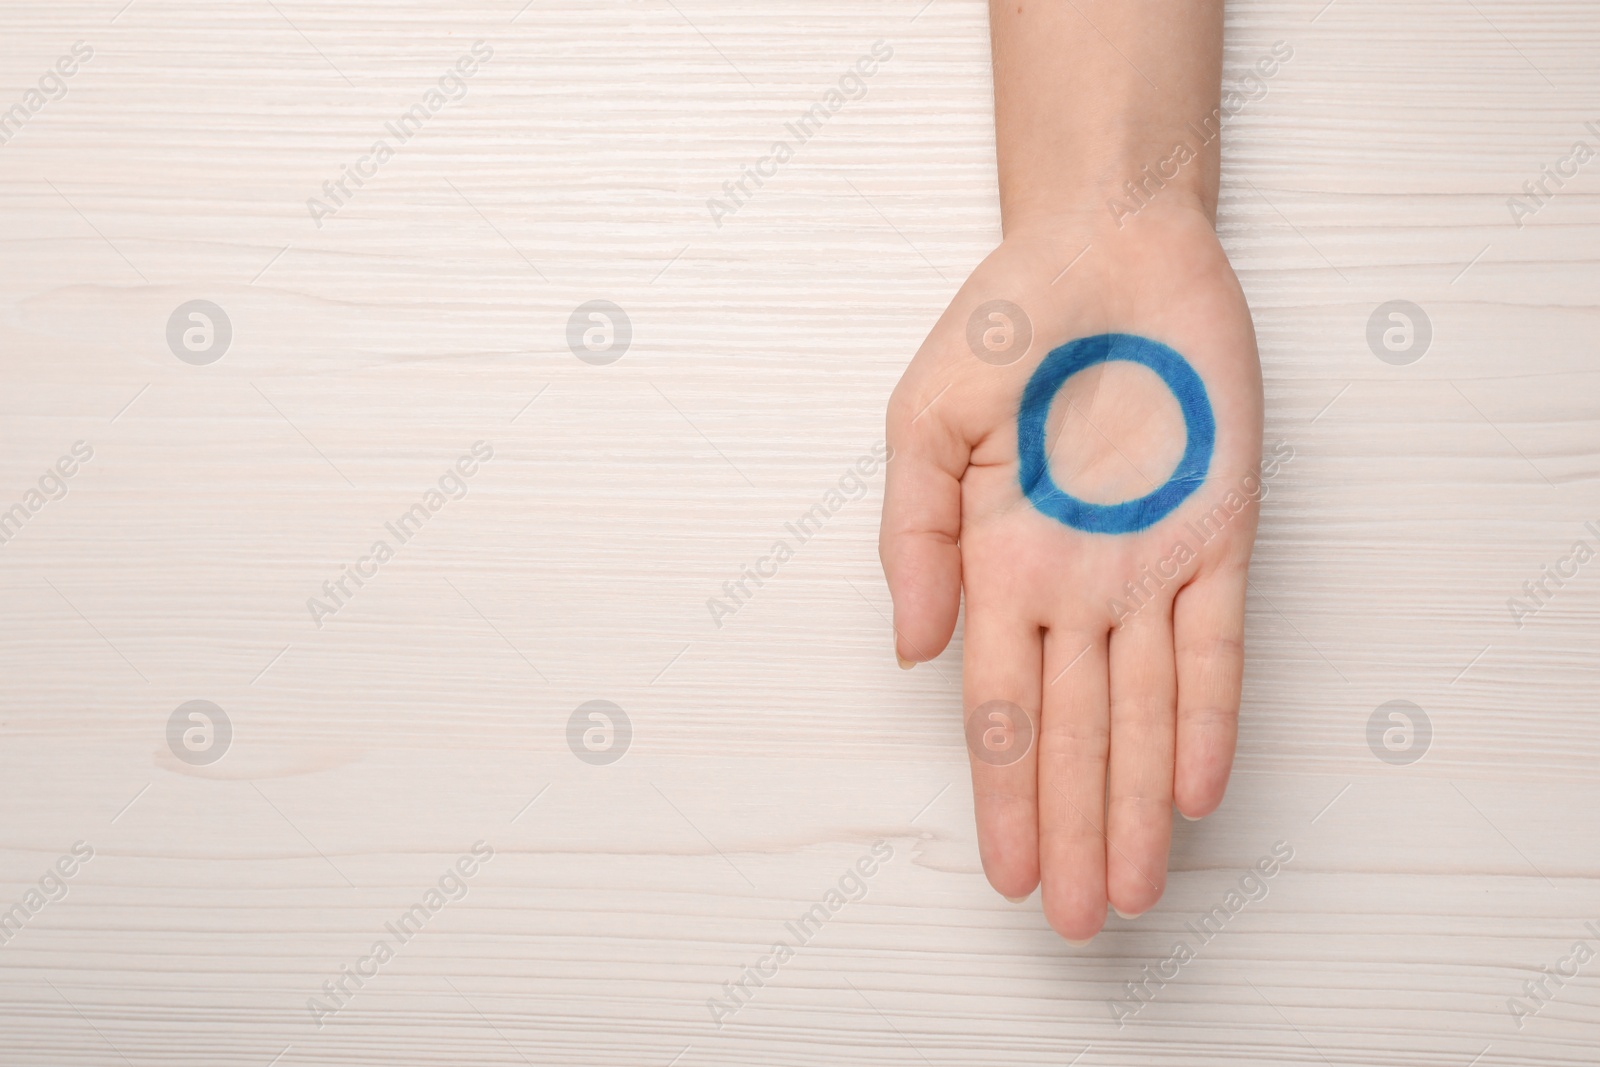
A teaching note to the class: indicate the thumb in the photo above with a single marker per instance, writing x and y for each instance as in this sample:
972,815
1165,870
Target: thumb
917,540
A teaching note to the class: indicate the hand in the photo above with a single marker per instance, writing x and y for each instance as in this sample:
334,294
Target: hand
1131,691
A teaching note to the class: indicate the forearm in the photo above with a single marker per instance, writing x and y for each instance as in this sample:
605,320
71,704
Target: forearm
1090,93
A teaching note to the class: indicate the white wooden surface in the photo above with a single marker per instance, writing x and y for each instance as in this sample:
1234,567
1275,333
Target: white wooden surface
769,754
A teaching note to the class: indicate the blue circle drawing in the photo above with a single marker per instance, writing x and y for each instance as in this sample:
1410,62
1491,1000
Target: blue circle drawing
1130,515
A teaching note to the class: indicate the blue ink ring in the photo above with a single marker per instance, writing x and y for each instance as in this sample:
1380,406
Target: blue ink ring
1129,516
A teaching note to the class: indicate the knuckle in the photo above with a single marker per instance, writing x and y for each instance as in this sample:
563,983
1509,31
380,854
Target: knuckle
1218,648
1208,716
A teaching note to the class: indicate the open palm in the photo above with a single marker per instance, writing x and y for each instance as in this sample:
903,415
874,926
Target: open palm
1102,668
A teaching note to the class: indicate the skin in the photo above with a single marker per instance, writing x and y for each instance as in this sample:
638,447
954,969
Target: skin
1134,712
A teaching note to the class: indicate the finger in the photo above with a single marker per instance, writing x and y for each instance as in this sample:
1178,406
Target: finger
1000,683
1072,783
921,525
1208,633
1139,804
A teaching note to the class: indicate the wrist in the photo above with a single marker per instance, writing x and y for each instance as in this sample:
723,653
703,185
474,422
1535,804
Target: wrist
1100,211
1153,171
1083,131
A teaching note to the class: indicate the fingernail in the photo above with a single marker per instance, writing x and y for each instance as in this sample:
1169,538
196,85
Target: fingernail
905,664
1016,900
1191,818
1076,944
1125,915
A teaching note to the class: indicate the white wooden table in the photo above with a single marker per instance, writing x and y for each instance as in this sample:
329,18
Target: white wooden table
367,755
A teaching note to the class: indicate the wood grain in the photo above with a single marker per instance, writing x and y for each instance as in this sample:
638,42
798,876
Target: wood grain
430,312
